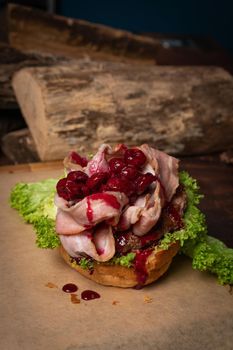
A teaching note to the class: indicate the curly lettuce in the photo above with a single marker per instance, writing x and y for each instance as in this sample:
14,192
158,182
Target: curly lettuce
212,255
35,203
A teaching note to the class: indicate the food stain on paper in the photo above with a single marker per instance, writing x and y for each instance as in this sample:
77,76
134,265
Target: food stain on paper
51,285
147,299
74,299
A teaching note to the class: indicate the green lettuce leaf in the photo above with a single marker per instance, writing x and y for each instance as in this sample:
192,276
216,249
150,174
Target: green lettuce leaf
212,255
124,260
35,203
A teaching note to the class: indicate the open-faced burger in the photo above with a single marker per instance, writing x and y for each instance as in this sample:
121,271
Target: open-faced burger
113,211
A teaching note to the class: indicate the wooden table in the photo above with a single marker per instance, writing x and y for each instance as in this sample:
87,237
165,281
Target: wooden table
185,309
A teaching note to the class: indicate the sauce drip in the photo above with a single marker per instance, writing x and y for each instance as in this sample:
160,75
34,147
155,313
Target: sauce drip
89,295
70,288
140,266
89,210
109,199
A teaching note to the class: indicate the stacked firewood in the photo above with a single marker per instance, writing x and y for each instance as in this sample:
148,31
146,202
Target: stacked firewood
79,84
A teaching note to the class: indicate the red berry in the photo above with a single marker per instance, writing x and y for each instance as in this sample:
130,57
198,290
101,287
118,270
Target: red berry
135,157
74,189
62,190
96,180
130,172
120,184
77,176
85,190
143,182
77,159
116,165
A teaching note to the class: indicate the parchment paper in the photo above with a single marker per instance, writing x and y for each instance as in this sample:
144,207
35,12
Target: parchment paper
185,309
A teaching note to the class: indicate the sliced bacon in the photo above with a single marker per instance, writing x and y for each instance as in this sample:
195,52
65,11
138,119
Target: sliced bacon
98,244
167,168
99,163
150,214
132,213
128,217
89,211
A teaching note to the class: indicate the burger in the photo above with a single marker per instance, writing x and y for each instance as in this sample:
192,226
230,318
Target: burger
118,214
121,216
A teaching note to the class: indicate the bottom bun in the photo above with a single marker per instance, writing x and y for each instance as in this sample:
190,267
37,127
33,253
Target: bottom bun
119,276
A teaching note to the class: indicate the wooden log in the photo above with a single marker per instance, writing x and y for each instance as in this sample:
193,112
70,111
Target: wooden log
32,29
182,110
19,147
12,60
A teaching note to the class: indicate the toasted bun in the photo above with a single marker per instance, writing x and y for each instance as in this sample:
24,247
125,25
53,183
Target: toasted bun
119,276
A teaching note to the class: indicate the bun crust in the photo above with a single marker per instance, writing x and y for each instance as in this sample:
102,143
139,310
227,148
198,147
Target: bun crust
119,276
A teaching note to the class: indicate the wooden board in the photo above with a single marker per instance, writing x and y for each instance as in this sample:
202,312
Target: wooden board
12,60
182,110
186,309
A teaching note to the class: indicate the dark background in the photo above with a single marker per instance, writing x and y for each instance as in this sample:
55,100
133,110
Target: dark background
193,17
200,18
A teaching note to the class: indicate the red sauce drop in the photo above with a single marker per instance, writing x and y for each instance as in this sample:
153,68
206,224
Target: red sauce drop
140,265
89,295
89,210
100,251
70,288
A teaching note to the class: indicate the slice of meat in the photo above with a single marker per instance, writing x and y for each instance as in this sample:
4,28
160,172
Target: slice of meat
150,213
89,211
165,166
132,213
129,217
98,243
99,163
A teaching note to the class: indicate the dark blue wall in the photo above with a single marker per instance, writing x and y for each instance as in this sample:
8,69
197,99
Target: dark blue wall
199,17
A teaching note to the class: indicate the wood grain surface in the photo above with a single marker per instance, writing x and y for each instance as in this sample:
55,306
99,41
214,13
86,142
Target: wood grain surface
181,110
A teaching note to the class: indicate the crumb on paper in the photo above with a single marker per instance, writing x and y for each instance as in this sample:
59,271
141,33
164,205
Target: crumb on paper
51,285
115,302
74,299
147,299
